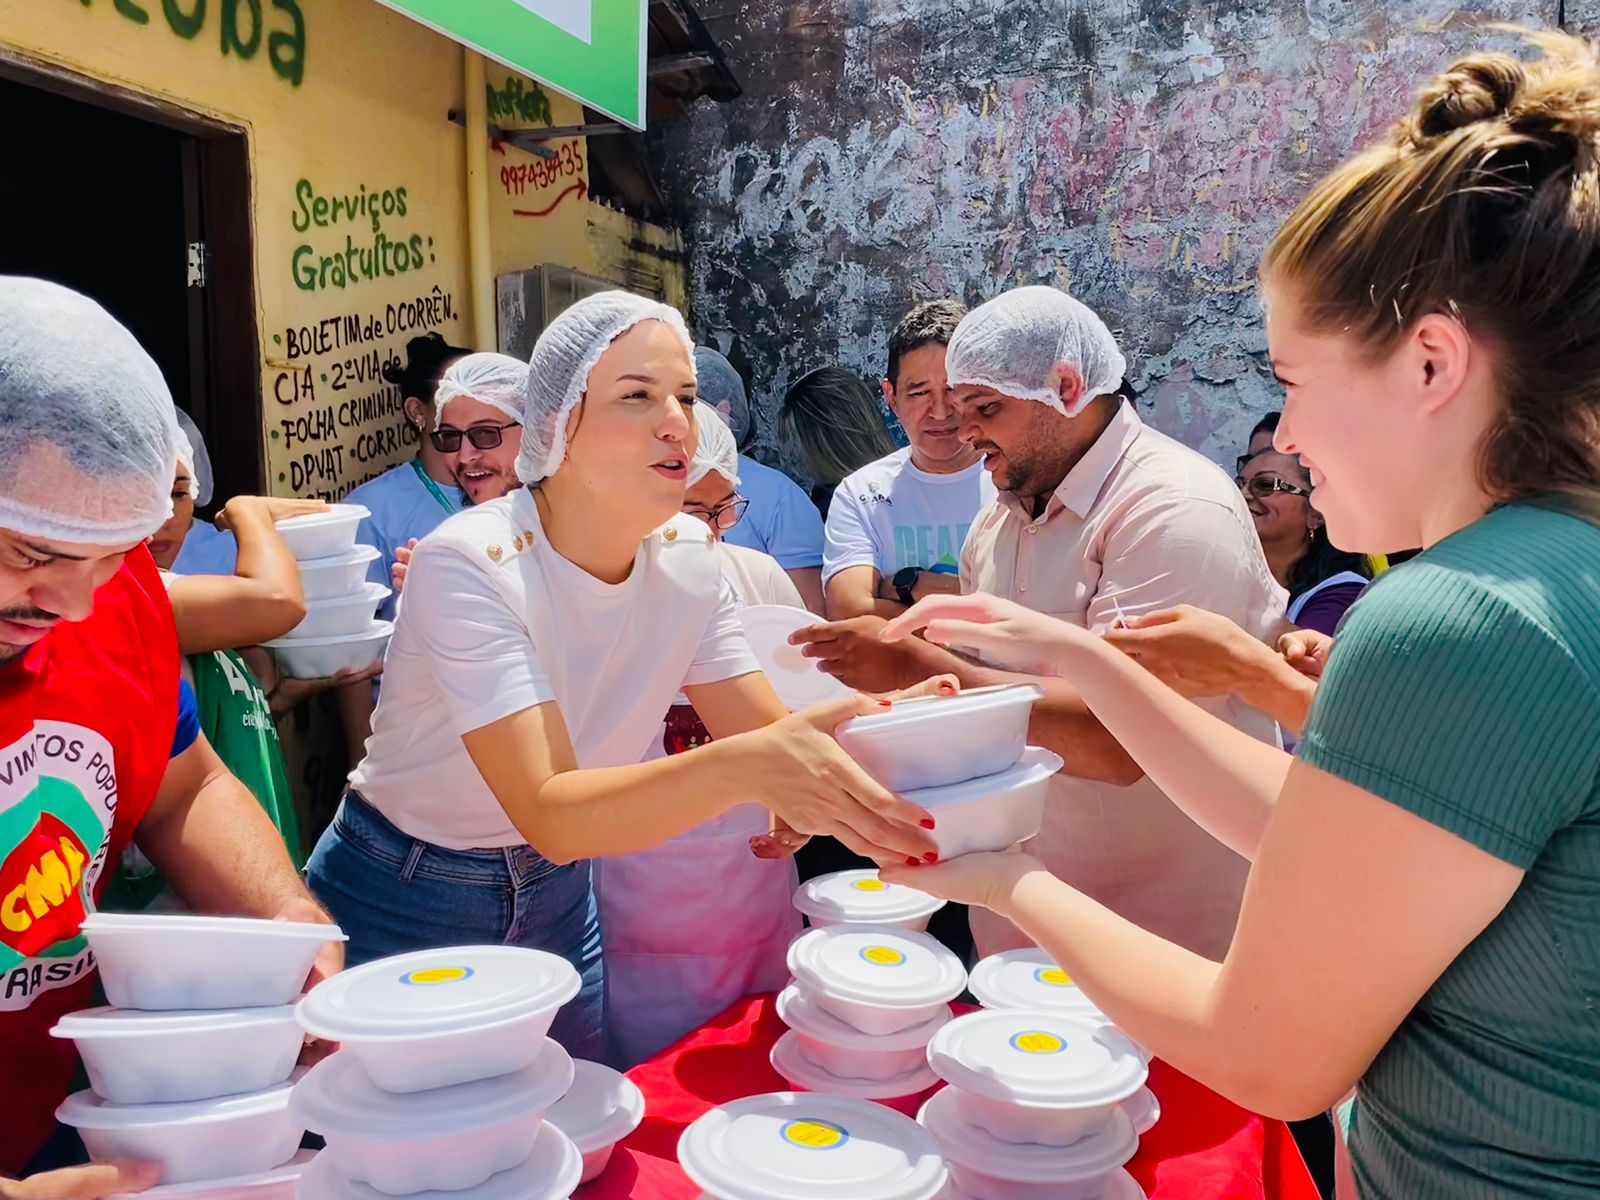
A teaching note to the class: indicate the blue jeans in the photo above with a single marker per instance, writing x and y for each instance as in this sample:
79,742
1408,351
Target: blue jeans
392,893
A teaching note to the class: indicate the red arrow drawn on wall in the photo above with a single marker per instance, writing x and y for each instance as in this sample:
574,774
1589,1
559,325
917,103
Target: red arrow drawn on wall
580,187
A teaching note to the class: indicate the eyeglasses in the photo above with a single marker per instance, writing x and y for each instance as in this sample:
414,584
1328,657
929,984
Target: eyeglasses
724,516
1264,485
482,437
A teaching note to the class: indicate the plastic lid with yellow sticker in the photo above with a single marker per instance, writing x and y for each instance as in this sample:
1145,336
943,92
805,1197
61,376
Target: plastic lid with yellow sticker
1038,1058
876,964
859,897
790,1144
1030,979
451,990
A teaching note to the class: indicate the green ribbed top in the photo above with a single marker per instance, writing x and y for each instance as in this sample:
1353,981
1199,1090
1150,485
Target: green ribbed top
1465,688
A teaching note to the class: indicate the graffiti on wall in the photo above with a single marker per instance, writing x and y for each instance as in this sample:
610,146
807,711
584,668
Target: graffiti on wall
243,28
1140,154
336,422
371,249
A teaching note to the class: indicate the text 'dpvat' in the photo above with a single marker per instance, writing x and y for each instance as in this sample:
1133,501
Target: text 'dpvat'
336,423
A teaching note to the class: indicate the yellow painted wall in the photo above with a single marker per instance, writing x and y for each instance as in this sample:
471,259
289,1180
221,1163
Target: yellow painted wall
366,125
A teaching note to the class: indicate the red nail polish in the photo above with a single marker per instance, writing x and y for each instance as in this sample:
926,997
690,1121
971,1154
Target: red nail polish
927,823
932,856
886,703
913,862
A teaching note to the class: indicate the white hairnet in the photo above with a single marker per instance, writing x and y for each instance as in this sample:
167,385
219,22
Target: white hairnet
192,454
88,434
1015,343
719,385
564,357
715,450
497,380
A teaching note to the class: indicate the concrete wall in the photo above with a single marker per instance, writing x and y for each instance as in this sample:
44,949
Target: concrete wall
359,194
1138,152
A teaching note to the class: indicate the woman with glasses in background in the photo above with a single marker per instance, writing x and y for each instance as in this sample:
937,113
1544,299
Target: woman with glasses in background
1322,580
676,952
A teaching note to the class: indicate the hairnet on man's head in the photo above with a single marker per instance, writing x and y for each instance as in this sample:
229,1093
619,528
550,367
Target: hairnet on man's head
88,433
719,385
716,449
497,380
563,359
1017,343
192,455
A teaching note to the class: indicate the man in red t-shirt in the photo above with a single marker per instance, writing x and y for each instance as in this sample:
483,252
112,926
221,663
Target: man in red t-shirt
92,755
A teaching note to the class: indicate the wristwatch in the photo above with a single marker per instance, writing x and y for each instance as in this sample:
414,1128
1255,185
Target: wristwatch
905,579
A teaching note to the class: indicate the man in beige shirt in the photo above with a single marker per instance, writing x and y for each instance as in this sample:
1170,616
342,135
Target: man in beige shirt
1098,517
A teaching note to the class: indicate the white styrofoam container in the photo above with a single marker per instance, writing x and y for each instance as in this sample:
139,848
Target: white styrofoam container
802,1074
341,616
829,1044
1143,1109
1035,1076
320,658
136,1057
322,534
276,1184
600,1109
799,1145
170,961
876,978
431,1018
992,812
550,1172
986,1168
338,575
200,1140
860,897
446,1139
931,741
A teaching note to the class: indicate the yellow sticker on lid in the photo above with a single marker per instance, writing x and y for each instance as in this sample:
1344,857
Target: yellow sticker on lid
1036,1041
1053,977
870,885
437,975
815,1135
883,956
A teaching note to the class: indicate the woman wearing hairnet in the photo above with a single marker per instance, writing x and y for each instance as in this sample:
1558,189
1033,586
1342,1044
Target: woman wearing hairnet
542,637
677,953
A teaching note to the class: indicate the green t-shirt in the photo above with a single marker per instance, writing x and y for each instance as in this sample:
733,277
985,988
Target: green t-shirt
1465,688
237,721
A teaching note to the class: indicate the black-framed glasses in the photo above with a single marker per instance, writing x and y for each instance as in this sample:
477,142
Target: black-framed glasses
482,437
724,516
1266,484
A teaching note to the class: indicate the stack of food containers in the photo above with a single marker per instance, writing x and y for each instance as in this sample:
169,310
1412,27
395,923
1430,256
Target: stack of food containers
866,1002
600,1109
963,758
339,632
443,1080
1030,978
1034,1107
792,1146
859,897
192,1066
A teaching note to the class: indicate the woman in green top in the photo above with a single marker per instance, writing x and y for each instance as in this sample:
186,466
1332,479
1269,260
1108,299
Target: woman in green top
216,617
1422,920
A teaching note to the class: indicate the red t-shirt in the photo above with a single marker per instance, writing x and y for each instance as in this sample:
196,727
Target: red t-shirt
86,731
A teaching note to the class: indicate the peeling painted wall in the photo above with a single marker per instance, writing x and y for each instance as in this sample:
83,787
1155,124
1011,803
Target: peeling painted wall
1138,152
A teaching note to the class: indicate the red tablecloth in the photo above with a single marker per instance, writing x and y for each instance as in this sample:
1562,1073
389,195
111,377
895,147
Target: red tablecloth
1203,1146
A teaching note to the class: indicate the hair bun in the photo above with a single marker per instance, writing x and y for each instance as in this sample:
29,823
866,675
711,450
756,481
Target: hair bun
1480,88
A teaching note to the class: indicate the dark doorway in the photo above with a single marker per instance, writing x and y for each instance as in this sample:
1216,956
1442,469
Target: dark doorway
146,208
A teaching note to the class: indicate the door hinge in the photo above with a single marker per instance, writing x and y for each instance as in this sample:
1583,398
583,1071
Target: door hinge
197,264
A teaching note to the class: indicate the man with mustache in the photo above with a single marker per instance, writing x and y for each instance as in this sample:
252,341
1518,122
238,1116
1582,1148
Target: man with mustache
98,747
1098,518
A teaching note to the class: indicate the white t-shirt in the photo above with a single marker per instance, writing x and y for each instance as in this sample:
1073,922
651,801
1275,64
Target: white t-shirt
890,514
757,578
494,621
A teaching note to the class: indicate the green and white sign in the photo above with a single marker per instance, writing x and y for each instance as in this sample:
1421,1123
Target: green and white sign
593,50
